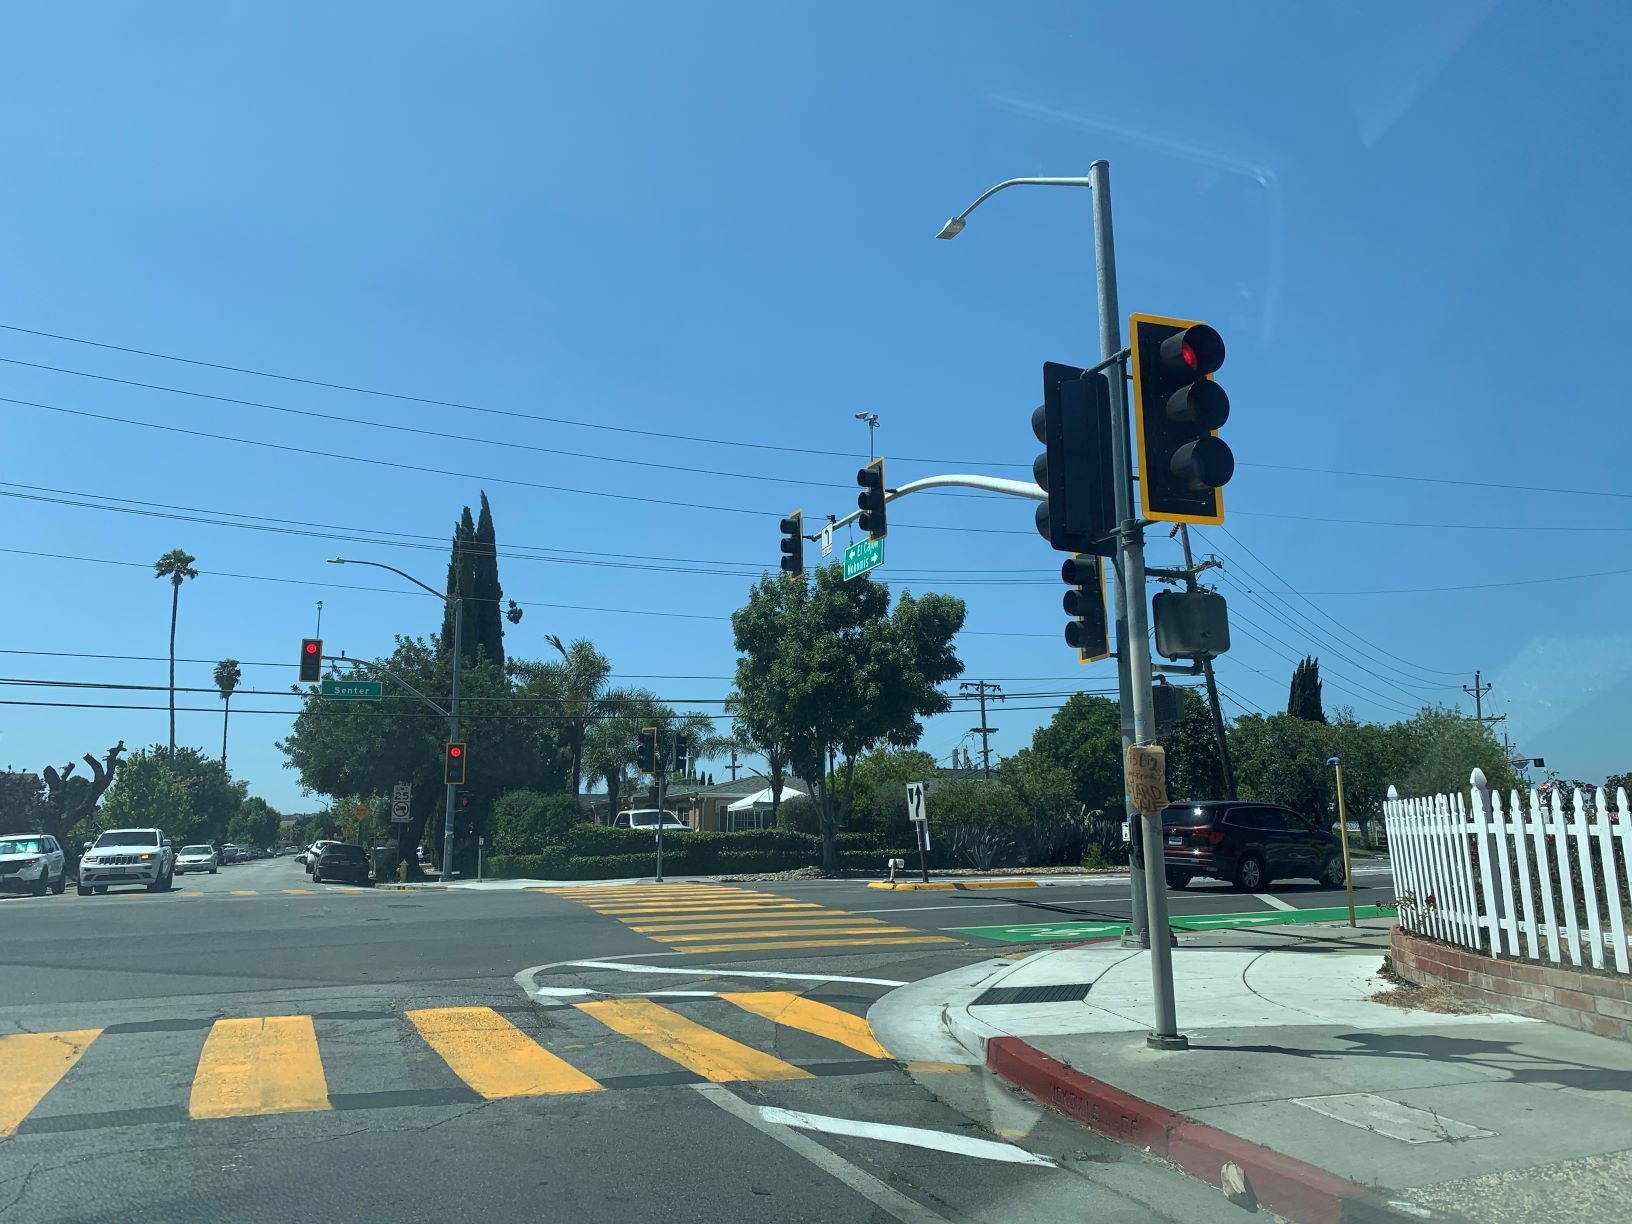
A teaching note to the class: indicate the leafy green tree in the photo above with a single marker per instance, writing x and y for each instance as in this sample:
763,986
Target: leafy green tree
461,584
830,668
228,676
487,594
611,745
22,802
147,793
213,797
1084,738
527,821
1057,828
753,739
1281,758
256,823
878,799
1443,748
176,565
583,674
1303,700
1193,767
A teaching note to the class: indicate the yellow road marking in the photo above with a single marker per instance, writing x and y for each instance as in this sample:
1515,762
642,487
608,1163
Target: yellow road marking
795,1011
584,894
844,941
189,893
698,924
495,1057
711,1055
837,928
30,1066
745,907
921,1067
245,892
260,1065
298,892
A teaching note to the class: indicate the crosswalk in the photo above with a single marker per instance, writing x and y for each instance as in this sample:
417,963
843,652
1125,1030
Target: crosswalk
252,1066
718,918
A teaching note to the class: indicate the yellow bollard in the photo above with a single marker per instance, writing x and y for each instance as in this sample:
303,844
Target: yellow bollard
402,872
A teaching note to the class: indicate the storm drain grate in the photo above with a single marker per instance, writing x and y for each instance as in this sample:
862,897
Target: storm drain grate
1070,992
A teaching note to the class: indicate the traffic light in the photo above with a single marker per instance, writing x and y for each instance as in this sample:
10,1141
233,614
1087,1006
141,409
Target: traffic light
311,660
453,764
793,544
1074,425
871,500
646,757
1089,630
682,750
1182,464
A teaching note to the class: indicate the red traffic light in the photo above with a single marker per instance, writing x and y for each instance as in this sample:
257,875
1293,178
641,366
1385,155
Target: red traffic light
311,660
456,751
1197,348
311,648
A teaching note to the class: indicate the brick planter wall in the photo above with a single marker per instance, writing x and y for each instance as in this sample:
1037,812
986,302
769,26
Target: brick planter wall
1582,999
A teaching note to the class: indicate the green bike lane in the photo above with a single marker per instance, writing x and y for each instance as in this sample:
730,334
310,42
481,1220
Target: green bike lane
1063,932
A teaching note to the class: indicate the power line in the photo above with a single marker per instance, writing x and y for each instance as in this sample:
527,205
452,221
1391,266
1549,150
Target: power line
464,407
1417,666
344,586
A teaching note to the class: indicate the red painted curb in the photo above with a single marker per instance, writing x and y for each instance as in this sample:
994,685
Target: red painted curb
1283,1184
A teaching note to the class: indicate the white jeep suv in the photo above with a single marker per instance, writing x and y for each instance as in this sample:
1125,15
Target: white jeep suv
128,856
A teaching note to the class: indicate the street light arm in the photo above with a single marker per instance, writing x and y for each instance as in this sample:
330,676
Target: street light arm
382,565
955,226
989,484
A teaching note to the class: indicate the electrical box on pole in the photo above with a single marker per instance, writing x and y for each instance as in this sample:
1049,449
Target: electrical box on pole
1190,624
871,500
311,660
793,544
1183,464
1089,629
1074,425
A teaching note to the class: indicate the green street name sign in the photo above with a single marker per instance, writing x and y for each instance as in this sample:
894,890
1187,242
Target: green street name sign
353,690
862,556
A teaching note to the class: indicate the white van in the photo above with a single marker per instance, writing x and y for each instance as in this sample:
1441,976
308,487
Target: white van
649,819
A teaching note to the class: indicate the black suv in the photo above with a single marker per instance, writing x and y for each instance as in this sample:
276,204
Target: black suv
1248,844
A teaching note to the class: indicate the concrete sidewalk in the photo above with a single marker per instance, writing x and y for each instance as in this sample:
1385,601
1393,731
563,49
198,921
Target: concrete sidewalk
1296,1076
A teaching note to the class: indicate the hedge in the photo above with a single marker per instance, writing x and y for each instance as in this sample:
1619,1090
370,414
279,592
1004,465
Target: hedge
550,865
597,852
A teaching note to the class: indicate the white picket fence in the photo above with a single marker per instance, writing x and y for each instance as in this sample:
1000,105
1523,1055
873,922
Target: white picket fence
1534,878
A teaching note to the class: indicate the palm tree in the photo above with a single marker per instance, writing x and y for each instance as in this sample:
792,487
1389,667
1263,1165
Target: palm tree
227,678
176,565
584,672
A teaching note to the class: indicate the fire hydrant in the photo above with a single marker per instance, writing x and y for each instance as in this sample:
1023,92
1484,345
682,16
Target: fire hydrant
402,872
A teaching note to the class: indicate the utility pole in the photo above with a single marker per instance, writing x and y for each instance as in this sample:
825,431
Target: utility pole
733,762
1133,647
1479,692
1207,674
981,688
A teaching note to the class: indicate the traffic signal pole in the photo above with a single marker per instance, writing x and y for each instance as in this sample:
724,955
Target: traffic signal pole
1133,628
453,733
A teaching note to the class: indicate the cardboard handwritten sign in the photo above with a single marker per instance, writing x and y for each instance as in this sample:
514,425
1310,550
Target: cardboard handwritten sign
1146,777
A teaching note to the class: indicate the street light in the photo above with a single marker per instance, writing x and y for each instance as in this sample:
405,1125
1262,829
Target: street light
1132,620
872,423
458,603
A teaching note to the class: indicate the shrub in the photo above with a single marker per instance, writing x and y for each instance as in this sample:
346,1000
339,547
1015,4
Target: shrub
733,861
799,814
592,839
549,864
619,866
526,821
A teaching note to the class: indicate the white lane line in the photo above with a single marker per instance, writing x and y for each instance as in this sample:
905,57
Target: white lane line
885,1198
912,1136
1272,902
743,973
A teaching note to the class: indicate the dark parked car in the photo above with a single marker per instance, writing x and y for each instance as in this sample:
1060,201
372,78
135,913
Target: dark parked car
1248,844
341,862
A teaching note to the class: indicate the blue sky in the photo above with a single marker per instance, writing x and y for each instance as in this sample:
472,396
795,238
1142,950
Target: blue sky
716,220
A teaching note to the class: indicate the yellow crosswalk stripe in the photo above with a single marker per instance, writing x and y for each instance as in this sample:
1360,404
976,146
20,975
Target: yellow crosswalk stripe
839,941
298,892
494,1057
245,892
754,907
30,1066
261,1065
700,924
838,927
711,1055
795,1011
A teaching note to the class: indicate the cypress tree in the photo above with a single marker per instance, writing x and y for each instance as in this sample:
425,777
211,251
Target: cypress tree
487,595
1303,699
462,581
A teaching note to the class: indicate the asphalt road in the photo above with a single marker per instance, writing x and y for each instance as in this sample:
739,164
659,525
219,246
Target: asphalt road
251,1046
